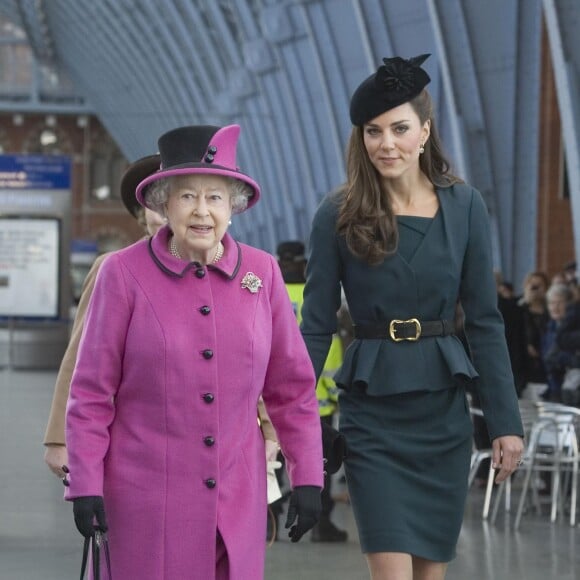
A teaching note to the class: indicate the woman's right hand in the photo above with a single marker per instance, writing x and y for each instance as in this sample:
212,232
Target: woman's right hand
86,509
532,351
56,457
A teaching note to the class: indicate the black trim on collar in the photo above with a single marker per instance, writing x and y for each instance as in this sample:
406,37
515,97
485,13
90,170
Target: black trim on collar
162,266
191,265
237,267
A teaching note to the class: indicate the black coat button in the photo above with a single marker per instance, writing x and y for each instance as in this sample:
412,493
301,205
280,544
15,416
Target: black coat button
207,354
208,398
211,483
205,310
209,440
200,272
212,149
209,158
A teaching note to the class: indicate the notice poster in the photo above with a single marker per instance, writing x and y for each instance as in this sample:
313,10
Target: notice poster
29,267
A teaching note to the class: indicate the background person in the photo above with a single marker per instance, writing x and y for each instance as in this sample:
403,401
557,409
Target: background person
292,261
556,360
535,319
568,340
406,240
55,455
183,334
515,334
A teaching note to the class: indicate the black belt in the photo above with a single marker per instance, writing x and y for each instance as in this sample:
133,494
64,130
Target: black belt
412,329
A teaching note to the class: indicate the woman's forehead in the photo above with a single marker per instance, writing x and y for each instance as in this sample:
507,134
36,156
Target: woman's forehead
536,280
198,181
402,113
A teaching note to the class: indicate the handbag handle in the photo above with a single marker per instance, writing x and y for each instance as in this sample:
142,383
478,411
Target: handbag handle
94,543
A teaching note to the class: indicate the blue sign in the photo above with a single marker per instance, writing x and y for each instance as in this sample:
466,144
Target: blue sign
35,172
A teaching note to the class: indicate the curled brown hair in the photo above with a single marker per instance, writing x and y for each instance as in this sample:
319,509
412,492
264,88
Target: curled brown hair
365,214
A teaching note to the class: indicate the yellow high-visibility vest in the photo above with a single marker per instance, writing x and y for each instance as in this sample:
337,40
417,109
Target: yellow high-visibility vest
326,390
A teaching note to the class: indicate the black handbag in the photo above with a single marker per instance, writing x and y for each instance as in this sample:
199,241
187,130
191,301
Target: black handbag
97,542
334,448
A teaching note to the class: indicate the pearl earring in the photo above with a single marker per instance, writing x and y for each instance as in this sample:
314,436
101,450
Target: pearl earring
421,149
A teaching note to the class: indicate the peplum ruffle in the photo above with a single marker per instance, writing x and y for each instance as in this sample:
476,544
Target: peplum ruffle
381,367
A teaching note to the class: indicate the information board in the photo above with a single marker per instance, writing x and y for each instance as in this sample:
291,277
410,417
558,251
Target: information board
29,267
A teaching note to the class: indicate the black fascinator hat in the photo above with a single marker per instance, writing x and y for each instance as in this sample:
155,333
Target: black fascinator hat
396,82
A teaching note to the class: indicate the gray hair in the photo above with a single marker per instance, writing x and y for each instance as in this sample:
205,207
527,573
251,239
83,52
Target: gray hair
562,290
156,194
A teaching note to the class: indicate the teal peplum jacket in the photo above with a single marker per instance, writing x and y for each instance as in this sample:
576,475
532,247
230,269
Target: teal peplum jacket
453,262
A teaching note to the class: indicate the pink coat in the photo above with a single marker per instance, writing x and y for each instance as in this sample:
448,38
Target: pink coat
162,414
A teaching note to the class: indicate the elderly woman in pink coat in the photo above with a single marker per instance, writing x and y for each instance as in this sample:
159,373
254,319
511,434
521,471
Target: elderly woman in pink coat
183,334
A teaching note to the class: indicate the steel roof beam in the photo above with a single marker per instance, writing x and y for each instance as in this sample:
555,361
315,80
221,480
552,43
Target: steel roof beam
562,22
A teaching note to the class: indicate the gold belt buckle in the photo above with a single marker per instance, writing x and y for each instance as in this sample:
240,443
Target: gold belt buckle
411,338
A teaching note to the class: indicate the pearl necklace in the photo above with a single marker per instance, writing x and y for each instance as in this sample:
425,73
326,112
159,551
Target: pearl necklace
175,252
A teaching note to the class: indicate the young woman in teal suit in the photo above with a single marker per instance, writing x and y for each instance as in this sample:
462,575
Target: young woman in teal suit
407,240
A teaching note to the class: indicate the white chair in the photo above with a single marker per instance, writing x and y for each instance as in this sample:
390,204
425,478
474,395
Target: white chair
552,448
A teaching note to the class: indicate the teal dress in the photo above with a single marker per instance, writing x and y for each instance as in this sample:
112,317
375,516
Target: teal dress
402,407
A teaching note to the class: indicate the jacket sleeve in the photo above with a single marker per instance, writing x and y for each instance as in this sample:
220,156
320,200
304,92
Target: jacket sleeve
322,293
485,330
289,391
95,381
54,434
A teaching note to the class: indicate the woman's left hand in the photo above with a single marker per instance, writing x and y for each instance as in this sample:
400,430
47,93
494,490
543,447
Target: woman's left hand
272,449
507,454
304,508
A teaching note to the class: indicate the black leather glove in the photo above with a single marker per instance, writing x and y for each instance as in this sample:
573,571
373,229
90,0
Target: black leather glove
334,448
85,510
306,505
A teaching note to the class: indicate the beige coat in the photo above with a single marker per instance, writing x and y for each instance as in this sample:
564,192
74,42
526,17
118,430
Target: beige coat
54,434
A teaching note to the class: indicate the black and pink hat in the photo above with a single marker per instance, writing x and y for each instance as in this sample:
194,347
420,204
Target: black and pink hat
199,149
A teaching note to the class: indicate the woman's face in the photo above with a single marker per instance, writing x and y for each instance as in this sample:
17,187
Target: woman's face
392,141
557,307
535,290
198,211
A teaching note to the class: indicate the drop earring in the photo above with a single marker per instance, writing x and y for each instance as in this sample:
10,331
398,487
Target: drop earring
421,149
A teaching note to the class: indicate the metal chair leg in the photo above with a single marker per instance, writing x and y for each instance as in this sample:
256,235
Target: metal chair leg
488,492
476,460
497,501
504,487
555,492
574,493
524,493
